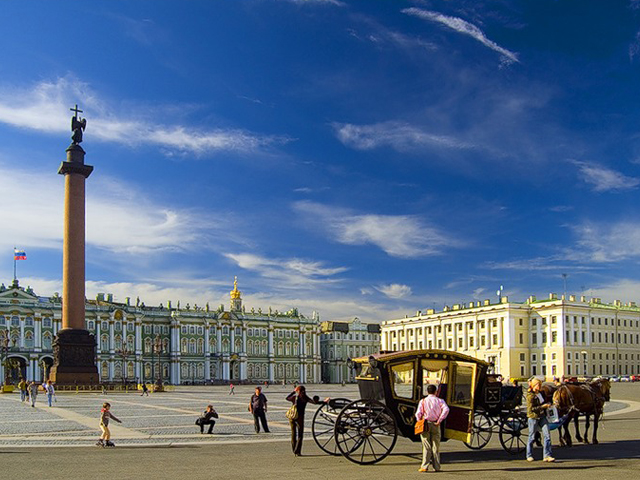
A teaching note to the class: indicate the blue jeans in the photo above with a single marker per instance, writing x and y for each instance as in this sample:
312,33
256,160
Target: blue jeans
49,398
535,425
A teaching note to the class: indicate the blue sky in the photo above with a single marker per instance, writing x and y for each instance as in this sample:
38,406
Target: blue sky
362,159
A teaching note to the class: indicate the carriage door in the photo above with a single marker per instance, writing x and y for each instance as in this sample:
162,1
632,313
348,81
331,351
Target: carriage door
403,376
463,378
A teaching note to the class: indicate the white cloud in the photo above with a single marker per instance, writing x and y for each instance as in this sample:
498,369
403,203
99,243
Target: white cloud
609,242
395,290
290,272
625,290
403,236
337,3
561,208
477,293
119,218
49,103
604,179
464,27
400,136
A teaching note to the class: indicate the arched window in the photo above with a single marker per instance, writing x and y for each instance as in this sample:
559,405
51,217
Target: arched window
46,341
280,349
28,340
250,370
200,370
225,346
46,322
296,348
15,321
147,345
184,370
28,321
104,371
117,340
212,345
250,347
225,330
165,345
130,370
147,371
238,348
200,346
192,346
131,343
287,349
263,350
183,345
104,343
280,371
117,370
165,370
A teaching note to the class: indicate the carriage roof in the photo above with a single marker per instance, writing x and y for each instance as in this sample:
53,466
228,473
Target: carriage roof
413,354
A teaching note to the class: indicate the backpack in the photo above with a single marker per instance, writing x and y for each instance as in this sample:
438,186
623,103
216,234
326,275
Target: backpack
292,413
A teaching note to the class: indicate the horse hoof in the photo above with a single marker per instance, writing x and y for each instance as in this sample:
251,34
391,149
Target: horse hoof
595,442
585,441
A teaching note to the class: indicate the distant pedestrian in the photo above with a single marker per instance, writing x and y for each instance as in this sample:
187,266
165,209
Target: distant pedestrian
258,407
433,411
231,387
51,392
145,389
33,393
104,389
105,416
266,384
299,399
22,385
207,418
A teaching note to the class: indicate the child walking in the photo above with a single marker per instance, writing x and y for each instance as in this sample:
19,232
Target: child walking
105,415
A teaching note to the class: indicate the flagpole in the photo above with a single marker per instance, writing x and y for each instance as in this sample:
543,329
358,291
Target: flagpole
15,277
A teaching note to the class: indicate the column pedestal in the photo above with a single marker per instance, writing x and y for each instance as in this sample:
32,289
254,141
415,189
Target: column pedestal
74,351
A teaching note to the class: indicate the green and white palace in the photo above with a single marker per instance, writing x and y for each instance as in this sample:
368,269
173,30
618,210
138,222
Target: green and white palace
176,345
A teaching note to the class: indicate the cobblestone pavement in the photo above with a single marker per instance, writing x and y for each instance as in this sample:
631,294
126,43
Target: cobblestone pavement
160,418
158,439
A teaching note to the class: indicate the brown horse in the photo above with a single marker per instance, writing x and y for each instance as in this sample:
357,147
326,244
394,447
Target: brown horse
547,390
583,399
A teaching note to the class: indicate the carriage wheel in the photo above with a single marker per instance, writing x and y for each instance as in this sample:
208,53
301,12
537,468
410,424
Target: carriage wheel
365,431
481,430
324,422
514,431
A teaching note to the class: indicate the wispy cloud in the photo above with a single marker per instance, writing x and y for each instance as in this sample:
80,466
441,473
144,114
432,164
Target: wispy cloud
397,135
609,242
561,208
336,3
463,27
604,179
49,103
119,218
395,290
404,236
290,272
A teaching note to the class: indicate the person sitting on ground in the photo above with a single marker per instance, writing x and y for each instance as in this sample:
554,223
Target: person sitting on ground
207,418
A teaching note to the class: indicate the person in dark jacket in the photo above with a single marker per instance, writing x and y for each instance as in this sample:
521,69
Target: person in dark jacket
258,407
207,418
300,399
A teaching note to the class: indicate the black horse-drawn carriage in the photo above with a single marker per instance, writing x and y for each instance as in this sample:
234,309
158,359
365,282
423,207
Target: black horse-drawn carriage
391,386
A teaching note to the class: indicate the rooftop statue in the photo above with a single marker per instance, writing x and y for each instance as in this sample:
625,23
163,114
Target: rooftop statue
77,126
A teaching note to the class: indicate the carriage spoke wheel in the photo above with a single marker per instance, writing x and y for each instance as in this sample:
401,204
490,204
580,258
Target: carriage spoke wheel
324,422
365,431
514,432
481,430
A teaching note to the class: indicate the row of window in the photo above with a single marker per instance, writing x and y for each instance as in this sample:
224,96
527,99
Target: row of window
351,336
28,321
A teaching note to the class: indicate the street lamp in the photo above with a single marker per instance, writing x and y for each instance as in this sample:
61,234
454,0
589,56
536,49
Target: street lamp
124,352
157,348
5,344
584,359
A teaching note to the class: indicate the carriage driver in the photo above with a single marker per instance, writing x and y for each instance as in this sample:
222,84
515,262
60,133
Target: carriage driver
537,417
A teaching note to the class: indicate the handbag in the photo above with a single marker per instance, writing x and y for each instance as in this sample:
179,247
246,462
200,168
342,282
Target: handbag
292,413
418,427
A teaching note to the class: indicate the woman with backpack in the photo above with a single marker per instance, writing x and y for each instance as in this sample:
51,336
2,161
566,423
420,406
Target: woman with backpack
295,414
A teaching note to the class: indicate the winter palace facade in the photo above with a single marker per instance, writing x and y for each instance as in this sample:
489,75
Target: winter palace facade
178,345
551,337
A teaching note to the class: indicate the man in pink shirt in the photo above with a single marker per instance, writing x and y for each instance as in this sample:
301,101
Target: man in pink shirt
433,411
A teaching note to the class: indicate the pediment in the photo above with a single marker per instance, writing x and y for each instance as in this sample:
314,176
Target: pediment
13,294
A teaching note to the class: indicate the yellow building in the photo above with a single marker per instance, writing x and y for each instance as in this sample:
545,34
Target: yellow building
552,337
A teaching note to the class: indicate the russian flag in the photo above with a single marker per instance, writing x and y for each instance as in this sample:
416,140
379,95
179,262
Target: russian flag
19,254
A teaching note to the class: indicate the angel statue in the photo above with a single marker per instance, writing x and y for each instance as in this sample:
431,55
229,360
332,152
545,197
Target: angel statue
77,126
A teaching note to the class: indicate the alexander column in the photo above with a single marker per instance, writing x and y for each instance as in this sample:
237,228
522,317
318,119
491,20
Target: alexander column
74,348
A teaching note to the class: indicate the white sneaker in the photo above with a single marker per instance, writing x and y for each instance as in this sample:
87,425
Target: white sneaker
530,459
549,459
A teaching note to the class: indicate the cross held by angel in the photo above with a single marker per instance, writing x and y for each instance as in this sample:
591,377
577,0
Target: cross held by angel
77,126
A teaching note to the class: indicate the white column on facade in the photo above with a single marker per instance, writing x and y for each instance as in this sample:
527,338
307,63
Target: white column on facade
476,331
207,352
138,334
465,335
303,357
37,374
21,340
270,353
38,333
232,338
572,334
99,343
219,339
111,336
244,338
111,368
500,332
588,320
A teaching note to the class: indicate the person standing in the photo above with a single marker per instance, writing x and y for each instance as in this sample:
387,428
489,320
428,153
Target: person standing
537,419
231,387
33,393
300,399
50,391
105,416
145,389
258,407
207,418
433,411
22,385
